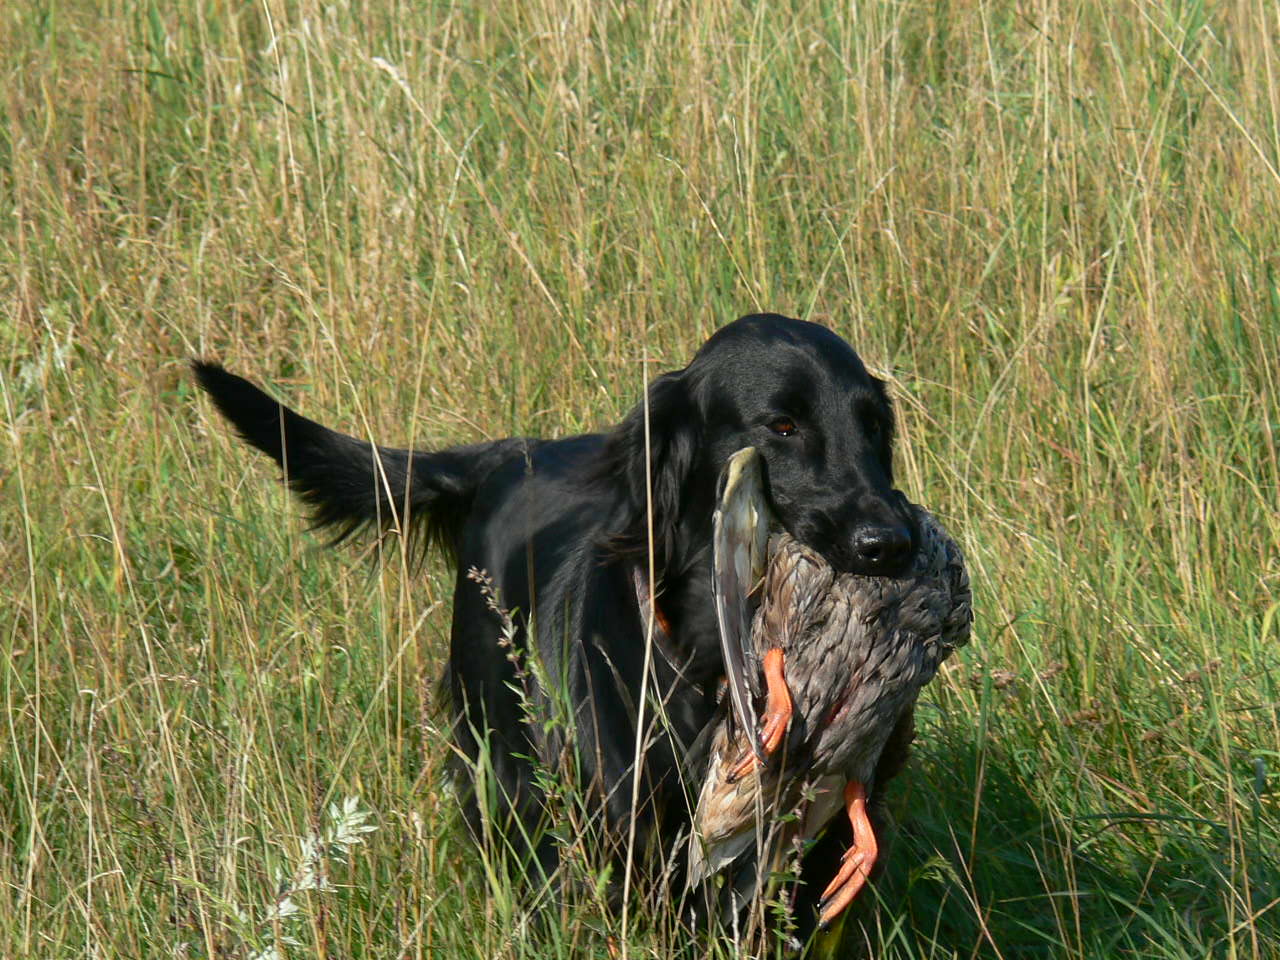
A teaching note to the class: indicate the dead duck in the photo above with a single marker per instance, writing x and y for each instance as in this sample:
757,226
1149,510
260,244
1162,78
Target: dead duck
837,661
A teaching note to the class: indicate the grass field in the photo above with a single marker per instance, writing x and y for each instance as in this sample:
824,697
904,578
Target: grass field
1053,226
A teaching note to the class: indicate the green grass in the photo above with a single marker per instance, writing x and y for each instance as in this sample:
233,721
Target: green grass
1053,226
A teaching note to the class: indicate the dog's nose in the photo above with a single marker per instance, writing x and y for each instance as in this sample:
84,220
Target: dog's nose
882,550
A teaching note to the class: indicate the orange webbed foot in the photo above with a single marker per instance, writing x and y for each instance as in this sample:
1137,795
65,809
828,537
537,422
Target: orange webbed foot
858,859
777,713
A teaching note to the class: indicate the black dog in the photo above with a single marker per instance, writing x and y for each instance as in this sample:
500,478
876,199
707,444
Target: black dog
567,528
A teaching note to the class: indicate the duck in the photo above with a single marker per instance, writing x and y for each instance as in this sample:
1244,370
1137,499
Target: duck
835,662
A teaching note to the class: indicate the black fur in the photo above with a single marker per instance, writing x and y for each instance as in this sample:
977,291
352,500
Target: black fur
562,525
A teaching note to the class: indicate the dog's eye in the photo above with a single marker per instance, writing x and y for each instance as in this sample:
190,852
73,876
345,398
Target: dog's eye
783,426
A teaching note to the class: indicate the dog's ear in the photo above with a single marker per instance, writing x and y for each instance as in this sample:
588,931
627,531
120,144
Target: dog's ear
674,429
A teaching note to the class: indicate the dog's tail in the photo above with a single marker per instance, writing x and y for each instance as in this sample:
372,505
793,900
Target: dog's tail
349,484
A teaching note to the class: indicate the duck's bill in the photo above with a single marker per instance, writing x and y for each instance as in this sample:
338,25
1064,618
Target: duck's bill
740,534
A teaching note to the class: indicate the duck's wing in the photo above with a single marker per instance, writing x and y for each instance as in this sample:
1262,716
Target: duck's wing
740,534
948,567
959,621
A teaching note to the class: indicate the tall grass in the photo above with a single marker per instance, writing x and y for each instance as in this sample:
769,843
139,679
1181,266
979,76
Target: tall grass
1052,225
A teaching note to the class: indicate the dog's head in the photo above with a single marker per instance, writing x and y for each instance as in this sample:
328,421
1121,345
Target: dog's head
823,425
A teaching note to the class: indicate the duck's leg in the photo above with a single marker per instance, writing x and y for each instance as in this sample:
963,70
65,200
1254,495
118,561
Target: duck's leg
858,859
777,712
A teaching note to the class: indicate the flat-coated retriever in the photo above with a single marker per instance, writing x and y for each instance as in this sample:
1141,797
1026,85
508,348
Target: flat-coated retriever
567,529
